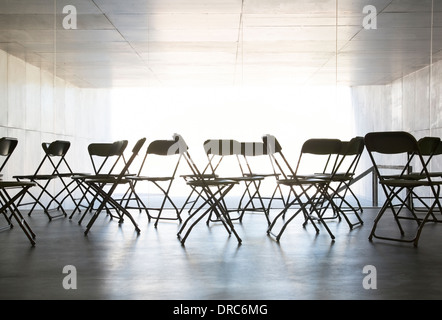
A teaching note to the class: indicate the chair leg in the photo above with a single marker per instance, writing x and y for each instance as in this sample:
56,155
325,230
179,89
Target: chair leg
108,200
215,207
10,204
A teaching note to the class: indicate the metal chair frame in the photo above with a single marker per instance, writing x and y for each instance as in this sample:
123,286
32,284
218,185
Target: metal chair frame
54,150
301,184
395,186
213,190
105,195
163,149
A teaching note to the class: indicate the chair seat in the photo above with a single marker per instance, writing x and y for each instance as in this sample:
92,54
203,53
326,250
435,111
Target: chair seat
37,177
211,182
13,184
301,180
144,178
335,177
262,174
204,176
108,180
408,183
247,178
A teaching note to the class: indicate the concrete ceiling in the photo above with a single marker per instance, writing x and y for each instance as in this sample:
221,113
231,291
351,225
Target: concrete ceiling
223,42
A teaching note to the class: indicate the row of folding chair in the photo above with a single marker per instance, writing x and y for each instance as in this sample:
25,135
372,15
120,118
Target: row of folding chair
311,194
211,185
101,186
330,187
98,189
325,189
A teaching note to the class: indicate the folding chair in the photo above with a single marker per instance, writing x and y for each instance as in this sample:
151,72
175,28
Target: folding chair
105,186
216,151
340,186
401,148
255,151
55,155
165,153
429,153
105,158
11,191
212,190
280,167
310,190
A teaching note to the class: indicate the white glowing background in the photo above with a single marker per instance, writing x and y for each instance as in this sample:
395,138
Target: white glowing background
244,114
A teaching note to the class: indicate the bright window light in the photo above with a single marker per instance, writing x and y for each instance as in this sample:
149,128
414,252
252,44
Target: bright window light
244,114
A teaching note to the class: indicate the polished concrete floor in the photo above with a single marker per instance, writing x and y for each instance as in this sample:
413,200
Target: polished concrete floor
113,262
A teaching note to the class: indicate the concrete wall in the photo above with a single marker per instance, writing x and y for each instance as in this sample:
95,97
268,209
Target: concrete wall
37,107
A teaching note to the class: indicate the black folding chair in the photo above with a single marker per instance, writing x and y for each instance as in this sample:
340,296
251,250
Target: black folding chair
11,191
105,187
212,191
400,148
310,190
280,166
217,150
105,159
167,154
54,161
340,186
429,154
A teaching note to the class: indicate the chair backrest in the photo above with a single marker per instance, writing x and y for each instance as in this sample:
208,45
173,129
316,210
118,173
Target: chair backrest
322,156
184,150
55,152
121,175
429,147
391,144
353,147
57,148
164,148
102,153
216,151
281,166
253,149
222,147
7,147
252,152
351,152
321,146
271,144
